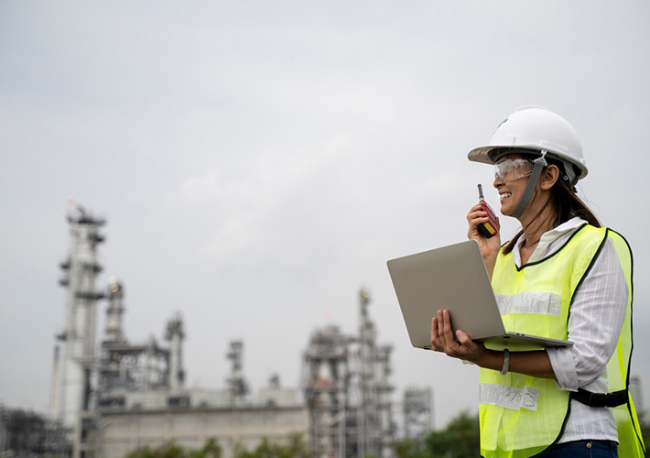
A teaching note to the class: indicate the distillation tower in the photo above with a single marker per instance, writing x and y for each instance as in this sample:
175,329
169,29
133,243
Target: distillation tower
80,272
175,335
237,385
120,373
347,389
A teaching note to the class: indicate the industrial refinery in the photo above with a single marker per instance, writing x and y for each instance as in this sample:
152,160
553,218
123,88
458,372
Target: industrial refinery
110,395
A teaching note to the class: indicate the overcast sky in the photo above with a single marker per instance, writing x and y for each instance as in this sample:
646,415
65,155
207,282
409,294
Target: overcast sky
258,162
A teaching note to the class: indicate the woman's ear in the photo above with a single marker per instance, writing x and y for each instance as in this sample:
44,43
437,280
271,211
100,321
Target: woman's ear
549,177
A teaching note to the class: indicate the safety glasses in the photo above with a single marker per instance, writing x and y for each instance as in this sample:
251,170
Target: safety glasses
510,170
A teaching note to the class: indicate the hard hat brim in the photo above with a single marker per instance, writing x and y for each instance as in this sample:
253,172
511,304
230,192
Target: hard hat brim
481,154
491,154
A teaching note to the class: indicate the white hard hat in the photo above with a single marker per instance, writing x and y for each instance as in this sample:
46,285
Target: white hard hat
536,129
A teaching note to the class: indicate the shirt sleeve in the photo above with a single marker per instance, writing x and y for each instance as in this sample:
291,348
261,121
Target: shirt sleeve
595,323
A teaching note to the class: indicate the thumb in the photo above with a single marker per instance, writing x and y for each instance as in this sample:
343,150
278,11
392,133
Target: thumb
463,338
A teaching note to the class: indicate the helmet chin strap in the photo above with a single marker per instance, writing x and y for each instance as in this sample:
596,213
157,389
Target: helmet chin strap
540,163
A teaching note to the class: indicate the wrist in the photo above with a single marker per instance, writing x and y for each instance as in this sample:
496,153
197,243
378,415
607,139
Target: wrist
489,359
482,357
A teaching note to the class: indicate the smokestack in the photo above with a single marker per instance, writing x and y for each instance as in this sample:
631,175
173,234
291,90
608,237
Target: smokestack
53,388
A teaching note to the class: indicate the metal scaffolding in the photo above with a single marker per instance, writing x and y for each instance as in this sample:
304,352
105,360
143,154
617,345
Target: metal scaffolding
417,407
237,385
126,368
327,377
346,382
28,434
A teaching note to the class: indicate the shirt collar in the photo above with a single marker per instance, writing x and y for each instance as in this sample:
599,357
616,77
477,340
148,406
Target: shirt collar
550,241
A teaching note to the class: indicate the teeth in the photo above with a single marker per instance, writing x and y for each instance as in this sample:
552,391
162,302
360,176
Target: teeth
505,194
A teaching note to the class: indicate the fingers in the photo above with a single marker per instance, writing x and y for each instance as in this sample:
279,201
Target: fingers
443,339
476,212
468,349
442,336
475,217
446,327
438,335
437,343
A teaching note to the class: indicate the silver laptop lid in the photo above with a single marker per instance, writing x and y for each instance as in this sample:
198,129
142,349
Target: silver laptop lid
452,278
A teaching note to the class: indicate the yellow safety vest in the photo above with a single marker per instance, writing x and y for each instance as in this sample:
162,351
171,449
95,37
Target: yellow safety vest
522,415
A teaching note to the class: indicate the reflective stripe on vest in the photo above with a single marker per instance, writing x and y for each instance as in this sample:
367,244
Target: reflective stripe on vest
530,302
508,397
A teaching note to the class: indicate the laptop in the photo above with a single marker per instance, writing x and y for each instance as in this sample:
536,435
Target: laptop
454,278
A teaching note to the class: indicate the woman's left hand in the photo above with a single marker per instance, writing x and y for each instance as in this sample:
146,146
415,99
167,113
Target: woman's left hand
442,340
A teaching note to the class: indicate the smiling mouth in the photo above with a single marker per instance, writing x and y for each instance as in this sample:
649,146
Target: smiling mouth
505,195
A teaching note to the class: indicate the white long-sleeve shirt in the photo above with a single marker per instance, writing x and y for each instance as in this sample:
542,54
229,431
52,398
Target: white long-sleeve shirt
595,322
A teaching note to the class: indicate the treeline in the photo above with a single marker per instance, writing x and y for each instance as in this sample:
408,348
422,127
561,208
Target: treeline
460,439
296,448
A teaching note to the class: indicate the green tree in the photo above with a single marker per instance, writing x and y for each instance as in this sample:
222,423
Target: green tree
168,450
460,439
211,449
645,430
410,449
295,448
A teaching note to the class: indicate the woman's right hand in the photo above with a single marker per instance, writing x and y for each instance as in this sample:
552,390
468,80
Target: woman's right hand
489,246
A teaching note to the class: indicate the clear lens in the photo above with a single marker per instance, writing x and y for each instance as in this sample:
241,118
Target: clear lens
510,170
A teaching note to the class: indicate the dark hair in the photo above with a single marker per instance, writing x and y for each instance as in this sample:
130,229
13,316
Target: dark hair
566,203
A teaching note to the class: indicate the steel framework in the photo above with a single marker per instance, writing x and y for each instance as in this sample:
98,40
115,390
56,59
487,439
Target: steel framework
347,389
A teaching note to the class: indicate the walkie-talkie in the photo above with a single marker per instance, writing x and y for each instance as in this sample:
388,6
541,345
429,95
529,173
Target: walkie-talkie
490,228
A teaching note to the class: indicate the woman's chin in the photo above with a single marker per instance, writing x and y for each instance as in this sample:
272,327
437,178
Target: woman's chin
506,210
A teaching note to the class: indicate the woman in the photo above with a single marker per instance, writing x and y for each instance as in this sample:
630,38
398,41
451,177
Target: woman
562,276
